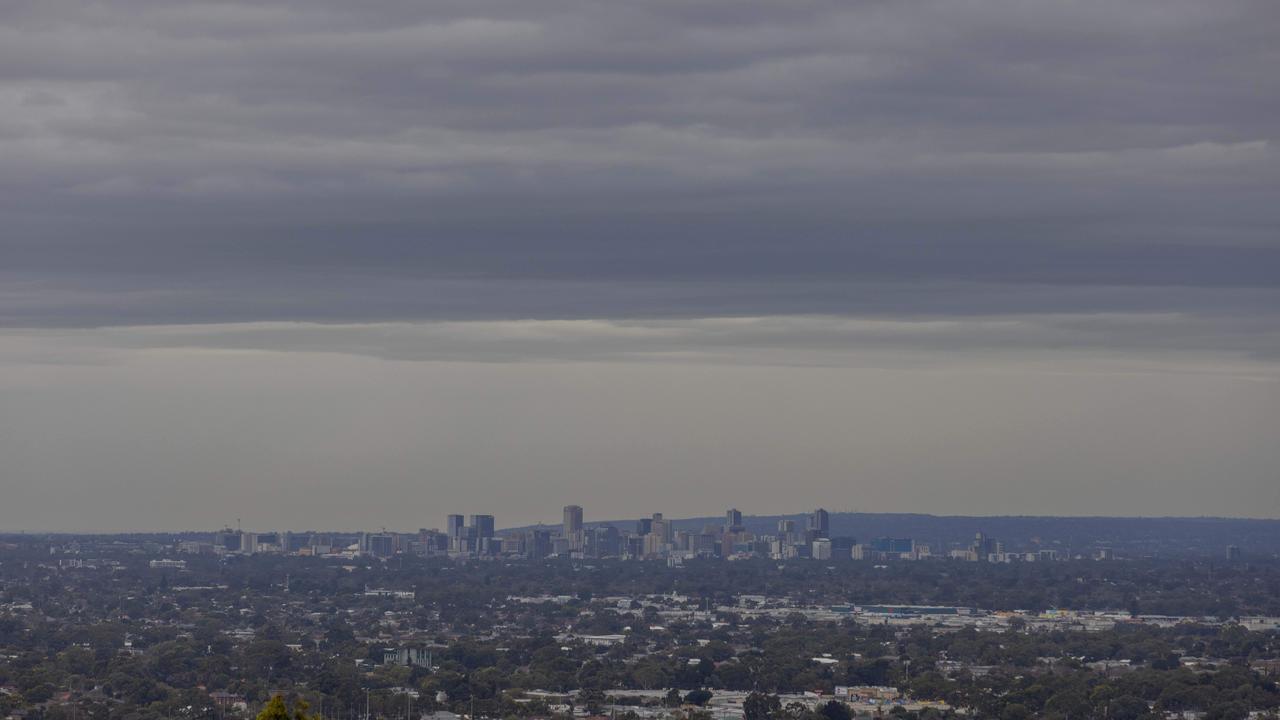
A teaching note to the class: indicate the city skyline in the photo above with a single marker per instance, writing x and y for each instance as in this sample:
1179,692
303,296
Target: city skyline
661,360
477,537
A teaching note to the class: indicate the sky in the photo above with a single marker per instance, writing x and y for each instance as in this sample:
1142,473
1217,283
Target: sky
312,263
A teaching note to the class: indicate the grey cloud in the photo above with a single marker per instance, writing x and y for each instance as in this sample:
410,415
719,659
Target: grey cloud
321,161
1152,343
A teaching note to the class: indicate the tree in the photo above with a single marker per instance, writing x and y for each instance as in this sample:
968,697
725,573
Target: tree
673,698
759,706
1015,711
795,711
836,710
698,697
276,709
1128,707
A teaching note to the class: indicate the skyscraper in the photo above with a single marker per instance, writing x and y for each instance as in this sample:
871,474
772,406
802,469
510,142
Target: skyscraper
733,520
572,520
573,528
662,528
787,530
539,544
984,547
378,544
483,525
455,525
819,524
821,549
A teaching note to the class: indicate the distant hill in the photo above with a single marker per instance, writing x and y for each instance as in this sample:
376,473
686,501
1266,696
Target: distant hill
1133,536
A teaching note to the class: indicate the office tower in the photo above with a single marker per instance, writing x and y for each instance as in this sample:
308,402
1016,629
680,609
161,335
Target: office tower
787,531
379,545
661,528
603,542
821,549
432,542
227,539
573,528
483,525
984,547
733,520
248,543
454,526
1233,552
540,544
653,545
819,524
293,542
572,520
644,526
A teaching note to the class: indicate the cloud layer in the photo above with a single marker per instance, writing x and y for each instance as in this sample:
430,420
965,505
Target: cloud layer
225,161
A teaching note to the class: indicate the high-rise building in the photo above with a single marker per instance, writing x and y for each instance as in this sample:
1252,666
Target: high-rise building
603,542
572,520
984,547
292,542
819,524
573,528
431,542
821,549
454,526
483,525
228,540
644,526
662,528
379,544
733,520
787,531
1233,552
634,545
539,544
653,545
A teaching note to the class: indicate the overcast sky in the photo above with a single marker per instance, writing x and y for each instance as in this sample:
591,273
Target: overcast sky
318,263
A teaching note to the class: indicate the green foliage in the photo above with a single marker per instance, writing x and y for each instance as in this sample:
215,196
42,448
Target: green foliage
277,709
759,706
698,697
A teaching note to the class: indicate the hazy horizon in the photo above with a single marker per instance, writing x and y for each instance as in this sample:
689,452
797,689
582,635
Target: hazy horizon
502,528
317,263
